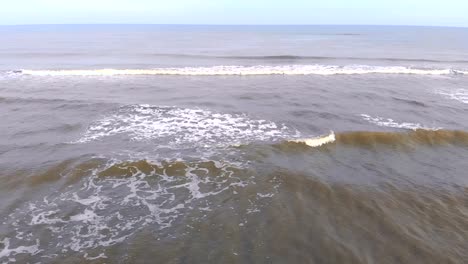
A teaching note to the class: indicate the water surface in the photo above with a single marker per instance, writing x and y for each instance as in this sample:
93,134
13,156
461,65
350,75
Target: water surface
233,144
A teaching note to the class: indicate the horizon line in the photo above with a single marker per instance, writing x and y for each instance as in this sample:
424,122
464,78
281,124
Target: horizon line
201,24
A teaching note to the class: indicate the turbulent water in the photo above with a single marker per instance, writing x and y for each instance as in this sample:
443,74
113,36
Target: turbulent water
226,144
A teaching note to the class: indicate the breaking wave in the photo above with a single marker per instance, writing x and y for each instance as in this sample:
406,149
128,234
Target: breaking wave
250,70
418,137
371,139
317,141
202,130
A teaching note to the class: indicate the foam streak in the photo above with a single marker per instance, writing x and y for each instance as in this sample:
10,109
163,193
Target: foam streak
388,122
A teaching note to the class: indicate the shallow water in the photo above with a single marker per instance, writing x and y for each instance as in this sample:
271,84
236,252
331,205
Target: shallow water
180,144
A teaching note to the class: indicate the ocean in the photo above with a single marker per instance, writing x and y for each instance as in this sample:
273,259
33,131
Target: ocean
233,144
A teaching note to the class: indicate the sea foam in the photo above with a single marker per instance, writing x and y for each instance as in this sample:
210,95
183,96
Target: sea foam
251,70
176,127
317,141
388,122
117,199
460,95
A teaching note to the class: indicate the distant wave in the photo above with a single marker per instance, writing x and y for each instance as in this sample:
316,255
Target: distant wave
279,57
45,54
293,57
303,57
251,70
49,101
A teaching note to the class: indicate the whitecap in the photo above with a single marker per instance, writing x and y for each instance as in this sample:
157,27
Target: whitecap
317,141
315,69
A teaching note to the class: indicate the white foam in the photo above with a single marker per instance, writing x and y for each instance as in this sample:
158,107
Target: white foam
184,128
388,122
103,211
460,95
250,70
268,195
8,252
317,141
102,255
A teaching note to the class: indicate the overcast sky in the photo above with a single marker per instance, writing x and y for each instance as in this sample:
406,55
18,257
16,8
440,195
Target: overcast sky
370,12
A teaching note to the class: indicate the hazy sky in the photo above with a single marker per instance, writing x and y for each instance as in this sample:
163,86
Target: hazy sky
387,12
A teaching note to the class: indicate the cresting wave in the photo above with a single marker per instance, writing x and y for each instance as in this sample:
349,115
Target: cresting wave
250,70
317,141
366,139
182,128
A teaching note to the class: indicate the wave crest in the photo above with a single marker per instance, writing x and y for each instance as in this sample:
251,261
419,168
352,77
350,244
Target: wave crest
317,141
251,70
371,139
417,137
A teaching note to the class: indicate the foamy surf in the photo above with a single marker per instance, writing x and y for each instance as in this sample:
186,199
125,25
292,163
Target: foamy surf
388,122
9,253
317,141
117,199
460,95
177,128
250,70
